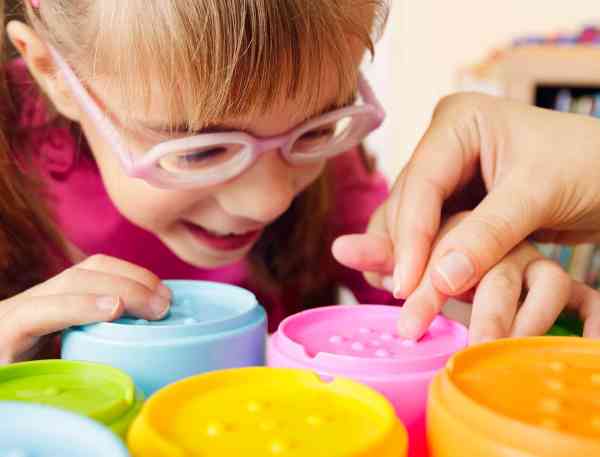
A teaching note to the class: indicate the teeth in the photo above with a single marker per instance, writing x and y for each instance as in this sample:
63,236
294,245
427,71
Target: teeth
212,232
223,234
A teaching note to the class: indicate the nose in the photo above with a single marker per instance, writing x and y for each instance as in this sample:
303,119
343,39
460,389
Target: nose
262,193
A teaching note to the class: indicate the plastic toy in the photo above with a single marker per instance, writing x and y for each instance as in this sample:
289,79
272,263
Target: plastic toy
30,430
210,326
535,397
360,342
568,324
100,392
267,412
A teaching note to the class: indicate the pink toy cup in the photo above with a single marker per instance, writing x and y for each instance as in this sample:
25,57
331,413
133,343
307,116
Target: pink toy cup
360,343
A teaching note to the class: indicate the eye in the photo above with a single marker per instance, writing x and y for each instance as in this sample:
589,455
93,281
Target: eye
198,159
194,157
318,135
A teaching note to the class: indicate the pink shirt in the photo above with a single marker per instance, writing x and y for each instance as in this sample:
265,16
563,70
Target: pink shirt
89,220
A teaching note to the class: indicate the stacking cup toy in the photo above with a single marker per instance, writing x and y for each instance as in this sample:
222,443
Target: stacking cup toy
536,397
266,412
567,324
30,430
360,342
100,392
210,326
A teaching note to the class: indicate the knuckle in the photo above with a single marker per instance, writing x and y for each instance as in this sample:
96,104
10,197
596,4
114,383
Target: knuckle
133,291
450,102
496,322
149,279
553,271
460,101
496,231
504,278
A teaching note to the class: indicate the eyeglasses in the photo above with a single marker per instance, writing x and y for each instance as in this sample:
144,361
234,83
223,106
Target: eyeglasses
213,158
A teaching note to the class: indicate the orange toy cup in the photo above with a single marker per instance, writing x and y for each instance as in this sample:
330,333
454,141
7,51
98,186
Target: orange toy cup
533,397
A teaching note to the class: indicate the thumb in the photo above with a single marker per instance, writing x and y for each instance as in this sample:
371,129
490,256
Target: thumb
502,220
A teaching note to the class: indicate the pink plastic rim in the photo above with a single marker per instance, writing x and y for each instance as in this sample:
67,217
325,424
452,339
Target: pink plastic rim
362,340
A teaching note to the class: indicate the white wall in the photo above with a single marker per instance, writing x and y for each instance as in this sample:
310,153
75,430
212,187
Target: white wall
431,39
379,72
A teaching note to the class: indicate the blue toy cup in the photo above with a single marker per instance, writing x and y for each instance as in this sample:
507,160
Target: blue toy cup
210,326
33,430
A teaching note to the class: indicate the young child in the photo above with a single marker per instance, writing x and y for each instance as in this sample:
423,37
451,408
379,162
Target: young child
198,139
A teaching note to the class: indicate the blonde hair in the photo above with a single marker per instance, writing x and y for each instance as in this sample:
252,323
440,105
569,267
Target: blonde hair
239,57
216,59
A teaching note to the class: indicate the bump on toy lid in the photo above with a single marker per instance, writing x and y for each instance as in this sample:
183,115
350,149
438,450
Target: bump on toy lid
547,382
268,411
365,336
29,430
97,391
197,307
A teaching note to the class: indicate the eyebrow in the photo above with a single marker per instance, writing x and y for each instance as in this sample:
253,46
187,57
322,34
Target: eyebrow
219,127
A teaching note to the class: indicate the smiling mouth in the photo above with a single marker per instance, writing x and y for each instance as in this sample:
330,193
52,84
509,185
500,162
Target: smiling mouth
223,241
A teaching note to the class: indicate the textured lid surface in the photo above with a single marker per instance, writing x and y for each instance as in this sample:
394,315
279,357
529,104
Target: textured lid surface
537,394
268,411
198,308
97,391
364,338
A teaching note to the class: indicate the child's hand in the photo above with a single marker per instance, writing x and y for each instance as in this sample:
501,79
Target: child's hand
497,308
98,289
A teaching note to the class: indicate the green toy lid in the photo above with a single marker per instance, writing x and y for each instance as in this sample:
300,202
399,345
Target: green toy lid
567,324
100,392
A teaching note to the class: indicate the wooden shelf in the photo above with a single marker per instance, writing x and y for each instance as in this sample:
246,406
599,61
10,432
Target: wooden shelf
537,74
518,72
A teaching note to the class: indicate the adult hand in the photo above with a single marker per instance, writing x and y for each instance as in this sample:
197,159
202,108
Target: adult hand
522,171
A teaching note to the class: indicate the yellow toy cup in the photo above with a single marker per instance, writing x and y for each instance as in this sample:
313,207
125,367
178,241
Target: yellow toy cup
533,397
266,412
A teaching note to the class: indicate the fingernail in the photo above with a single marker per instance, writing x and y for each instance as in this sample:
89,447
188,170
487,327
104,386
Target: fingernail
164,291
159,306
107,303
388,284
456,269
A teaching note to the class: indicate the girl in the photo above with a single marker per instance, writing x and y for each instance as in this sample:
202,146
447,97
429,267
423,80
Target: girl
202,139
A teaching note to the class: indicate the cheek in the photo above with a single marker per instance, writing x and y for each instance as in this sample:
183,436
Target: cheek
305,176
153,209
149,208
146,206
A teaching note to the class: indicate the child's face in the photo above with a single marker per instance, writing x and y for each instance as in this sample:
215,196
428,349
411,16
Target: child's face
207,227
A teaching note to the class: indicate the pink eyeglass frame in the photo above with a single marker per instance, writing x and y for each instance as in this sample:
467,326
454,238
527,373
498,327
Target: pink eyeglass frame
365,119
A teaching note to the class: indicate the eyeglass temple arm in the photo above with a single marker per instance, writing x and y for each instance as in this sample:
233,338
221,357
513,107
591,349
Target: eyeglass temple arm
91,108
369,96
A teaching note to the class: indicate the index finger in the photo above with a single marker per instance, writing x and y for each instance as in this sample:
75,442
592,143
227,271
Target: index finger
440,165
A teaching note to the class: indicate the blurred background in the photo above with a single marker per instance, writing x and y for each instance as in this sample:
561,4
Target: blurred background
540,52
428,41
